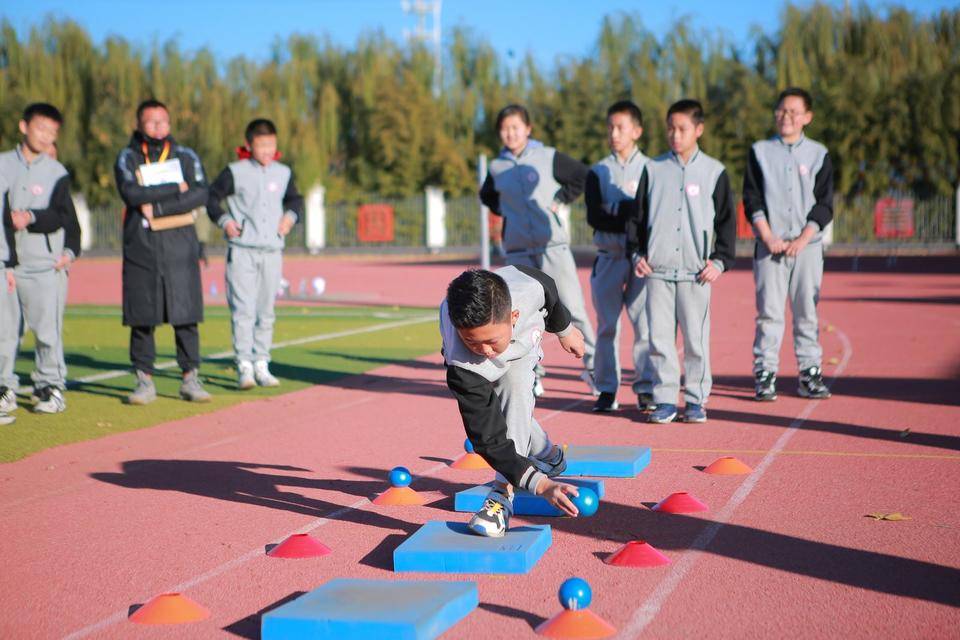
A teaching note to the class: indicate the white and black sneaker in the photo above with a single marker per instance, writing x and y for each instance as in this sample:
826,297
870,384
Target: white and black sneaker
645,402
554,465
811,384
606,403
8,400
493,518
49,400
765,386
6,419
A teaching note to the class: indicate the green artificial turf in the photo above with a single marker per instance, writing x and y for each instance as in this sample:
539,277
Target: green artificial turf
96,343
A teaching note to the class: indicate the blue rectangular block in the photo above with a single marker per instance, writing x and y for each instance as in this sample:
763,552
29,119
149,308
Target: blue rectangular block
349,609
607,462
450,547
524,503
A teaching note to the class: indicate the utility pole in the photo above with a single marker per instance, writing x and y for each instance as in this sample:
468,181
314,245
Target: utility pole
432,35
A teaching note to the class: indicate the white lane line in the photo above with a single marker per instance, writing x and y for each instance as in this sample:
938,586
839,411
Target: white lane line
647,611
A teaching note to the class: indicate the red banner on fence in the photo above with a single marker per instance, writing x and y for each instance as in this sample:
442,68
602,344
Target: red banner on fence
375,223
893,218
744,228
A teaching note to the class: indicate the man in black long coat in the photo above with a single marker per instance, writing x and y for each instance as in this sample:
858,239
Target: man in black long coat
161,272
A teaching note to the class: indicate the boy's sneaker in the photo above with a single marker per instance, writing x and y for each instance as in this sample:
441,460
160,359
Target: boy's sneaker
6,419
587,376
606,402
493,518
8,400
245,379
645,402
765,386
191,389
49,400
552,466
694,413
145,392
538,388
811,384
261,372
663,414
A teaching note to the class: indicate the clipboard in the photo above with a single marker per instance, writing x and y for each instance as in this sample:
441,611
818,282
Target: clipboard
168,172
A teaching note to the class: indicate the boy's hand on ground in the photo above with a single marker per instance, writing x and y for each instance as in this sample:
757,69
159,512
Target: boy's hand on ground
11,281
147,211
232,229
708,274
573,343
643,268
286,223
556,494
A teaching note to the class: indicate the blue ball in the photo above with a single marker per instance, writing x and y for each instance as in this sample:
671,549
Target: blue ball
468,446
587,502
575,593
400,477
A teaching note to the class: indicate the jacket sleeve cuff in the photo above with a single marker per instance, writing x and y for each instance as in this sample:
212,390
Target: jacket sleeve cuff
757,215
566,331
223,220
70,254
292,215
814,225
531,479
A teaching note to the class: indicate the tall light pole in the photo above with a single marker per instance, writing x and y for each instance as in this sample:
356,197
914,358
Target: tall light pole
421,9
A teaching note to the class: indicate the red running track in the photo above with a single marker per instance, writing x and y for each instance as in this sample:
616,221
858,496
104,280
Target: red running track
94,528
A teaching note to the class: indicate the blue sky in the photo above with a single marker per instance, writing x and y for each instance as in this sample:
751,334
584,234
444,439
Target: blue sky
548,28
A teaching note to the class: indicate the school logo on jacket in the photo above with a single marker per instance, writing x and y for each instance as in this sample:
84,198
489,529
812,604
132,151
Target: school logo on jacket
693,190
273,187
36,189
804,170
631,187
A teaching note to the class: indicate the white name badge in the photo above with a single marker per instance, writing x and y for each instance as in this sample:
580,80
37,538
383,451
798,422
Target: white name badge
157,173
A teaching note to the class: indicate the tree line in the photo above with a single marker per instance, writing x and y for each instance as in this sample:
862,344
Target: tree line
364,119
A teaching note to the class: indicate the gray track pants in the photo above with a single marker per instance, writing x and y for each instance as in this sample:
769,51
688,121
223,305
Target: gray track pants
43,299
557,262
687,305
517,402
253,279
778,278
9,333
614,286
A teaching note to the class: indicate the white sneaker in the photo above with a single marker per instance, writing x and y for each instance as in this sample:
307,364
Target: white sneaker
5,419
49,400
245,379
493,518
261,372
8,400
538,388
587,376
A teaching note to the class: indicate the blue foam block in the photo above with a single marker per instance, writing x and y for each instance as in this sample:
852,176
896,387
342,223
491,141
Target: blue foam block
450,547
524,503
607,462
346,608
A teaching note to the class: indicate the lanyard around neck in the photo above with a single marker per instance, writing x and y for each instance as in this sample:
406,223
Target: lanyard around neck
163,154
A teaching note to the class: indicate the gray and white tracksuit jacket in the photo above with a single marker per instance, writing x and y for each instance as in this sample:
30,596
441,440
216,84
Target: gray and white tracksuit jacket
610,197
475,380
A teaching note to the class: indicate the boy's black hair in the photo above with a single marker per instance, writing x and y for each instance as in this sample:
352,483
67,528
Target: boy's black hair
690,107
259,127
476,298
628,107
151,103
44,110
797,92
513,110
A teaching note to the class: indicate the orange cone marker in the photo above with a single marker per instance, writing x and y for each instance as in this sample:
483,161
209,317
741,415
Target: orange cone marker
680,502
727,466
576,622
400,494
471,460
299,545
637,553
170,608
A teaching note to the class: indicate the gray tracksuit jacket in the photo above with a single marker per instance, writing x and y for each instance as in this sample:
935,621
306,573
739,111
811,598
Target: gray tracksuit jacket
610,197
522,190
471,377
43,188
791,185
685,216
257,197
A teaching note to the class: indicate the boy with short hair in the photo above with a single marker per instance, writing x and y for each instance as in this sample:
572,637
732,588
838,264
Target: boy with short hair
610,198
47,241
492,324
788,197
683,237
264,205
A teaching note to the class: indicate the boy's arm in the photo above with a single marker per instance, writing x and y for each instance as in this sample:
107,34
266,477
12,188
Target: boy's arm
8,233
558,318
822,212
754,202
71,227
486,427
572,176
638,219
132,193
490,196
221,188
293,203
598,216
197,193
52,217
724,224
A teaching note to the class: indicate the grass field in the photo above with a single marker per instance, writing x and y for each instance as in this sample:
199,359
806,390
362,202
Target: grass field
97,358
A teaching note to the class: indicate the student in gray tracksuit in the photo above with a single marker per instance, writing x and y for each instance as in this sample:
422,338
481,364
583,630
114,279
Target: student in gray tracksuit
492,324
610,197
9,309
526,184
47,241
264,204
788,197
684,234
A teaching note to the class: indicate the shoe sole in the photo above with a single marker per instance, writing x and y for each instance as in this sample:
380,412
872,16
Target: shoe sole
47,411
694,420
765,398
483,533
615,406
5,420
662,420
275,383
139,403
183,396
246,386
803,393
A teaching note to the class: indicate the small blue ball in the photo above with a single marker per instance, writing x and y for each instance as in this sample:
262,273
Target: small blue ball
400,477
468,446
575,593
587,502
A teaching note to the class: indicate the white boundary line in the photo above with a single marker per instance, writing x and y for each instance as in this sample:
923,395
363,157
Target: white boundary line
646,612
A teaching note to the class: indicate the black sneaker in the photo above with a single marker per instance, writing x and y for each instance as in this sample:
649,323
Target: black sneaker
554,466
765,386
645,402
811,384
606,402
493,518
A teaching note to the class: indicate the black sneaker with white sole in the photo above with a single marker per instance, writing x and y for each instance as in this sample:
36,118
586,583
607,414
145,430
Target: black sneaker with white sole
554,465
493,518
49,400
645,402
811,384
606,402
765,386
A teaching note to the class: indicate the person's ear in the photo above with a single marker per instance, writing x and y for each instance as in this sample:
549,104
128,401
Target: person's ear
807,118
699,129
23,127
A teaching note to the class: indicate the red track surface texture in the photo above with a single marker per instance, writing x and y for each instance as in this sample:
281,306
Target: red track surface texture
94,528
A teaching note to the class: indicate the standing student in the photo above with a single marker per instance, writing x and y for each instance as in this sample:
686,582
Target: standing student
683,234
264,204
611,199
526,185
47,241
788,197
161,271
